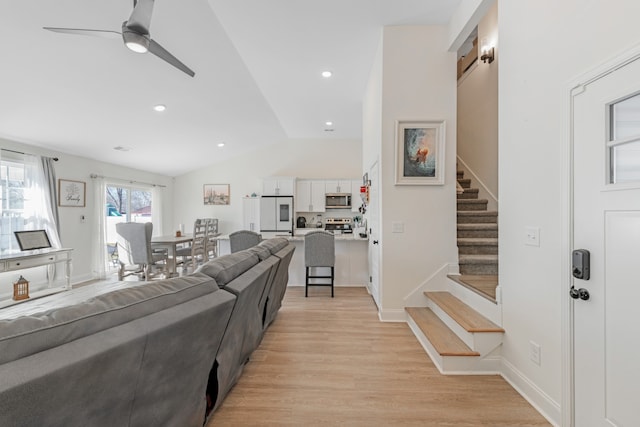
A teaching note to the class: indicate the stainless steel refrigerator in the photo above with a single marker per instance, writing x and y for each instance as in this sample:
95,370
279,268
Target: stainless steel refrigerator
276,214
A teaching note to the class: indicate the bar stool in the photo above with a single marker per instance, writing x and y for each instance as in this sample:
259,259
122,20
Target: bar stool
319,252
243,239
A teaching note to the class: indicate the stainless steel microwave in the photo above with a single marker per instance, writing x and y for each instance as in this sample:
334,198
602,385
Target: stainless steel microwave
338,201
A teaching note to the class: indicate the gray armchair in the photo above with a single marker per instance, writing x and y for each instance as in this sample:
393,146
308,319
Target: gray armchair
319,252
243,239
134,250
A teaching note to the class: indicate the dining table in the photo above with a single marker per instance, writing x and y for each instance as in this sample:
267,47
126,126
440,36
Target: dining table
171,242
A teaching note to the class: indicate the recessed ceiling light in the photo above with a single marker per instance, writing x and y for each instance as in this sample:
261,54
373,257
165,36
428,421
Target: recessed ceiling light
160,107
328,123
327,74
121,148
221,144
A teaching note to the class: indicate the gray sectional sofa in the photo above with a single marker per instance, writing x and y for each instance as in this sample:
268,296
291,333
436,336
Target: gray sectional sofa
163,353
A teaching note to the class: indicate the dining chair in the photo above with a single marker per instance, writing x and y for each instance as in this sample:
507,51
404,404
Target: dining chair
211,242
135,255
194,253
319,252
243,239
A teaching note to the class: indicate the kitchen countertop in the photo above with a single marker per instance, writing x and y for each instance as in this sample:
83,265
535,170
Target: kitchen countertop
299,236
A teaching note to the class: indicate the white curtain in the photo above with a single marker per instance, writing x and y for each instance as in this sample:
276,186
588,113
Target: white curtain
157,202
100,258
37,213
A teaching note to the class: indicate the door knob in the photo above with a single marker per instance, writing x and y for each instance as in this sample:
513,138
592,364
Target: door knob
581,293
375,242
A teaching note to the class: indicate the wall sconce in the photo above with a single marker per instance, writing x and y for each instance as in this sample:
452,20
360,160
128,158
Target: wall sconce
488,52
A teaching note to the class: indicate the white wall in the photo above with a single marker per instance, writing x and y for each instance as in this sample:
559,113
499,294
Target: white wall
544,44
419,83
372,113
320,159
74,233
478,111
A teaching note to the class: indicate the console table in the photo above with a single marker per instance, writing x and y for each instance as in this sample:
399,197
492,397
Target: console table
38,258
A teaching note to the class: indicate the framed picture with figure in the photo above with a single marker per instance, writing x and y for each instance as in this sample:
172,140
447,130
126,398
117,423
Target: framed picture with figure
420,152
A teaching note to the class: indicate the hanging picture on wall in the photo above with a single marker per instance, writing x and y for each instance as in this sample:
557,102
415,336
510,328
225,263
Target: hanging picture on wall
420,152
217,194
71,193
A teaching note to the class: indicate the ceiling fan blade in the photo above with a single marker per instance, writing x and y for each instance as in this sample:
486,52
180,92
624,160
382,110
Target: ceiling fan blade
140,19
162,53
85,32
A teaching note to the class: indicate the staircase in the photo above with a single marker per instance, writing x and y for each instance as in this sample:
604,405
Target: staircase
457,337
477,242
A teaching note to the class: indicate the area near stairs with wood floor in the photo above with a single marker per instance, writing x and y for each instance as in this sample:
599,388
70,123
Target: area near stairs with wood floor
460,327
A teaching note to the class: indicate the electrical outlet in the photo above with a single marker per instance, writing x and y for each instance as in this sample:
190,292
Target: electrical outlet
532,236
534,352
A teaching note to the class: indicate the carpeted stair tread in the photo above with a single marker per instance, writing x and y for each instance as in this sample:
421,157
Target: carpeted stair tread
443,339
469,194
478,259
477,241
465,183
465,316
472,204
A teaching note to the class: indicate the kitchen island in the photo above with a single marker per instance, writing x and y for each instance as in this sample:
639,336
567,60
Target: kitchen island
352,266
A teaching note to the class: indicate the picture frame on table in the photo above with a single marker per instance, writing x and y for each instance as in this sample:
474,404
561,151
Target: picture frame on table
32,239
216,194
420,149
72,193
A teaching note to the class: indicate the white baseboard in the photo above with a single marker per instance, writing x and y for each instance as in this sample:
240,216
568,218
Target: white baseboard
542,402
392,315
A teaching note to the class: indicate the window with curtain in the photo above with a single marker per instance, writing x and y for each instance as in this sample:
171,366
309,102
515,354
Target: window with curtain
25,200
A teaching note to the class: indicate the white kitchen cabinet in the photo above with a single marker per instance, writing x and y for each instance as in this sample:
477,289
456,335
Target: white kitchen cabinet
251,213
310,196
278,186
337,186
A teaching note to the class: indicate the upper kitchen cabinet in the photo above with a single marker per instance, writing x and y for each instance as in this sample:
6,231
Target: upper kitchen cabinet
334,186
310,196
251,213
278,186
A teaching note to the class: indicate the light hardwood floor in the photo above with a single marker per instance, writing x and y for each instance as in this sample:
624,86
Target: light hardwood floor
330,361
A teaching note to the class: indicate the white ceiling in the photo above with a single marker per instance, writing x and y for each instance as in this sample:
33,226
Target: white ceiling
257,64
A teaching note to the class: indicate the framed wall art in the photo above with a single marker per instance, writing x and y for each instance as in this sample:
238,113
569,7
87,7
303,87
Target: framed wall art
420,152
72,193
217,194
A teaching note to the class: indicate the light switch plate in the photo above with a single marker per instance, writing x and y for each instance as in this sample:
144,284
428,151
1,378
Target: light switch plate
532,236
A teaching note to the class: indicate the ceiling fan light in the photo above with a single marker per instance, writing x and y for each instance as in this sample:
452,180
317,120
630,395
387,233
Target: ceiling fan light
134,41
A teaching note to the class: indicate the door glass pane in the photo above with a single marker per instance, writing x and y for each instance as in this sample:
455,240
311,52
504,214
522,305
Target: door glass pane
626,161
624,152
626,118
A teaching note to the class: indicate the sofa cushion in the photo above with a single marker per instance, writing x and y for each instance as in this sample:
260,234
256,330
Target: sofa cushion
226,268
26,335
274,245
262,252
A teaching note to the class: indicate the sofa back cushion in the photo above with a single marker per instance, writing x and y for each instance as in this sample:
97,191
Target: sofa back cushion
26,335
226,268
274,245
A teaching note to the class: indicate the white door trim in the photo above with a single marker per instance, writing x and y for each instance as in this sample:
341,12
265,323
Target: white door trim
575,88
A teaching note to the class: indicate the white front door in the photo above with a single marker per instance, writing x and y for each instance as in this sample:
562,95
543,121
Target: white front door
606,201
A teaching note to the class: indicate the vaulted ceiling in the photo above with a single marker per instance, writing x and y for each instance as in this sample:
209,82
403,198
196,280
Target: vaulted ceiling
258,80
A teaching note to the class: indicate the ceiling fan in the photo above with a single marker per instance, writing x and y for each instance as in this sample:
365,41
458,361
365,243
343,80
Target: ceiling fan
135,33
